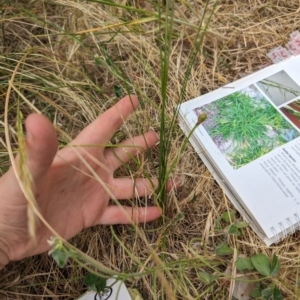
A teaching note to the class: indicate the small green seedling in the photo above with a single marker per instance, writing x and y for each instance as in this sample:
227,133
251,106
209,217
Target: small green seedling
206,278
234,226
95,283
118,91
270,292
224,249
265,267
59,252
261,263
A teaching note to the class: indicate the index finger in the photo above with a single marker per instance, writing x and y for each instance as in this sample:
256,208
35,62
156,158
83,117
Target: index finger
105,126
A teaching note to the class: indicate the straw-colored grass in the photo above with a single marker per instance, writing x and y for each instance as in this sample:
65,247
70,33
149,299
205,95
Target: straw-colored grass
78,56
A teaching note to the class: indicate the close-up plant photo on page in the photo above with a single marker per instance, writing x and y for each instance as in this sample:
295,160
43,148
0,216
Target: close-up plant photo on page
149,150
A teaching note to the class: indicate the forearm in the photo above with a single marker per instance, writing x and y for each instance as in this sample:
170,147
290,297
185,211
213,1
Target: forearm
4,256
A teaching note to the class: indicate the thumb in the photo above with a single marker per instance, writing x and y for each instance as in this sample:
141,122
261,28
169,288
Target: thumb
41,141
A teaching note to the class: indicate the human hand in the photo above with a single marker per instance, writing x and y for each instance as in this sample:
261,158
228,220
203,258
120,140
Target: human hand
68,195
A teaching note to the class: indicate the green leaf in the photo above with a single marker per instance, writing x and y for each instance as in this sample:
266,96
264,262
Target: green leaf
218,224
228,216
109,61
244,263
61,257
275,266
118,91
214,277
255,293
240,225
277,294
100,285
95,282
267,293
262,264
97,61
207,278
90,279
233,230
204,277
223,249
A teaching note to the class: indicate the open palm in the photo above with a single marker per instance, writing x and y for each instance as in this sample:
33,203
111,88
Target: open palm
74,185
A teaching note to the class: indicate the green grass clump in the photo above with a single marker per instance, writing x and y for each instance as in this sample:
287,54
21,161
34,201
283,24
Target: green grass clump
251,127
243,120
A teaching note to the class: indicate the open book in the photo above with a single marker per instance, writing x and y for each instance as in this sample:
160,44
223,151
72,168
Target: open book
250,142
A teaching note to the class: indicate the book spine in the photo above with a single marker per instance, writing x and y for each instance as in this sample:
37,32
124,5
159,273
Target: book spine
286,227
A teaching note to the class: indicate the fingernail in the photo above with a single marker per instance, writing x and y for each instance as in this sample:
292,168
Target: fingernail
179,180
160,209
29,136
157,137
175,182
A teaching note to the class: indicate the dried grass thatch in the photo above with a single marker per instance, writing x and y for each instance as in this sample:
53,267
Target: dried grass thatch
75,50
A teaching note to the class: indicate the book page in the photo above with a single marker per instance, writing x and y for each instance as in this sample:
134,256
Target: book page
252,135
115,290
227,189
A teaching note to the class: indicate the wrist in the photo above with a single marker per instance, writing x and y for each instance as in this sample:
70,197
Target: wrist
4,259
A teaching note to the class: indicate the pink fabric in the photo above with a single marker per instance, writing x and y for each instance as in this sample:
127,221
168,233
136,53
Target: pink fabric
292,48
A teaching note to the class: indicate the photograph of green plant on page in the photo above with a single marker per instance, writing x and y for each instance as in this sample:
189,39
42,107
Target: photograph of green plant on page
244,126
292,111
279,88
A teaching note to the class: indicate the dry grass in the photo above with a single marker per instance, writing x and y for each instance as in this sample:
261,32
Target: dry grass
75,51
